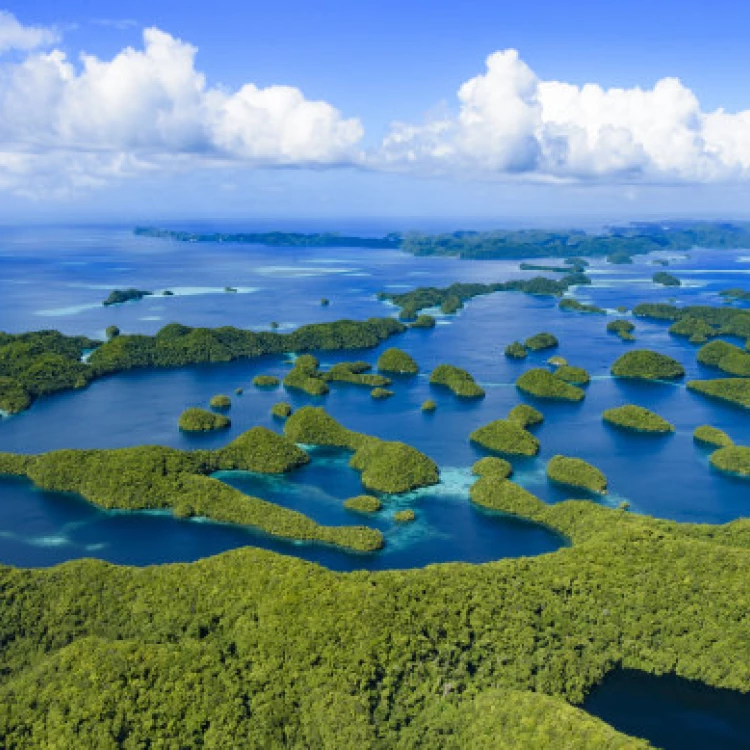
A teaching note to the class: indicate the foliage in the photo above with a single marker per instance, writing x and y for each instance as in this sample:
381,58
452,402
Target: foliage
666,279
112,332
571,304
429,405
404,516
733,459
118,296
458,380
734,390
265,381
40,363
386,466
202,420
516,350
304,376
398,361
363,504
525,415
736,294
424,321
695,329
575,472
220,401
727,357
381,393
544,384
281,410
712,436
541,341
575,375
644,364
620,257
623,328
636,418
276,239
254,649
151,477
492,466
506,436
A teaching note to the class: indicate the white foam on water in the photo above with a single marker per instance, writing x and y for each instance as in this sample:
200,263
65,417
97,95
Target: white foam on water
48,541
151,317
193,291
60,312
301,271
96,547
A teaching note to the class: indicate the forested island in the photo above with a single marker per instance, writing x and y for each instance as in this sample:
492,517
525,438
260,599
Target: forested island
275,239
619,244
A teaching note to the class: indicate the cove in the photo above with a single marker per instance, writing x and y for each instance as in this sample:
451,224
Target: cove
40,529
671,712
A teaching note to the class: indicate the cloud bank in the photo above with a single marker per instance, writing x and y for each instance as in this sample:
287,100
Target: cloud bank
78,124
511,123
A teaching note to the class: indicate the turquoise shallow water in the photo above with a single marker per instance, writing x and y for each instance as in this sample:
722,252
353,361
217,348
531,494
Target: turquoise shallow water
56,278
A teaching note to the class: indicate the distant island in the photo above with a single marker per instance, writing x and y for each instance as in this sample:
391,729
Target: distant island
118,296
618,244
276,239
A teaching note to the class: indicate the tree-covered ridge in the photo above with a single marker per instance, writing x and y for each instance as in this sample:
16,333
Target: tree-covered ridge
44,362
293,655
636,239
699,322
386,465
275,239
450,299
152,477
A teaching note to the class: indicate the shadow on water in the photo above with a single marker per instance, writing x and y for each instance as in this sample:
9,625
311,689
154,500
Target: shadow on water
672,713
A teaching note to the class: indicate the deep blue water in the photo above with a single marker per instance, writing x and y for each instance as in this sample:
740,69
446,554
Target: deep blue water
57,278
672,713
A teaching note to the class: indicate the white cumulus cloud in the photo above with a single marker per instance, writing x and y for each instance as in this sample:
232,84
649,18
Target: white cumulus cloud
510,122
151,108
14,35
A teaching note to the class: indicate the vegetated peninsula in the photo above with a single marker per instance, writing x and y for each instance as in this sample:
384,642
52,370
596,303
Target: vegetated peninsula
44,362
699,322
276,239
575,472
150,477
734,390
629,591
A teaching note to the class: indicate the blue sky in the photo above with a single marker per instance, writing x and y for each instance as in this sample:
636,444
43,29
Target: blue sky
514,147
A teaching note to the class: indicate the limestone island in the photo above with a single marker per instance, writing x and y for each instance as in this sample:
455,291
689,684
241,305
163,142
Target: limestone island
726,357
363,504
732,459
541,341
458,380
575,472
525,415
645,364
666,279
220,401
492,466
734,390
506,436
516,350
386,466
381,393
397,361
118,296
623,328
637,419
404,516
544,384
429,405
712,437
202,420
574,375
266,381
281,410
